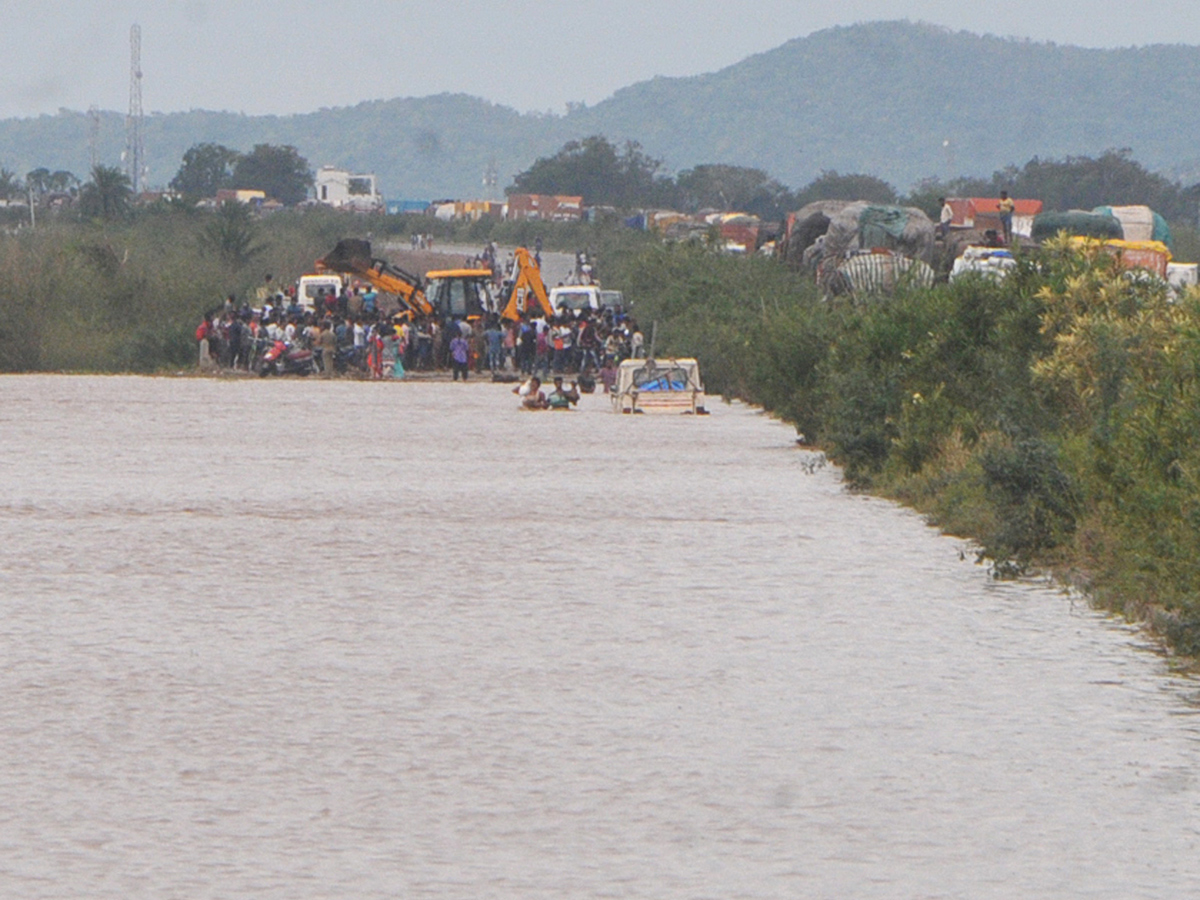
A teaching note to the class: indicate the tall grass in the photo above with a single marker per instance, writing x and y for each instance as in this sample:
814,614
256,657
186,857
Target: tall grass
127,296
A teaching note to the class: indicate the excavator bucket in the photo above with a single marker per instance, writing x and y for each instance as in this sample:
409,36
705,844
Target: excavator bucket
350,254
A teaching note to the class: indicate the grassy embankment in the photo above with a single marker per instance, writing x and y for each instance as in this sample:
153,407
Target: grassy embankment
1054,418
122,297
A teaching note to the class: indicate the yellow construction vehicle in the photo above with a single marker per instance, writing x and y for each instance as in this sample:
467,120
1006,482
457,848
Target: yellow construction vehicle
526,289
460,293
353,257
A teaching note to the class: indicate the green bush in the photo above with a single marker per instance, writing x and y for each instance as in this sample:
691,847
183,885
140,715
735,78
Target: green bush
1053,416
1035,499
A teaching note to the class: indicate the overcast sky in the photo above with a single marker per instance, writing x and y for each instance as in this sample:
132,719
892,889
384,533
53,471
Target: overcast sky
269,56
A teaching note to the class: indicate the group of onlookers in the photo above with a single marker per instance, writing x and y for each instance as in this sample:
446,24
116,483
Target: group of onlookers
369,342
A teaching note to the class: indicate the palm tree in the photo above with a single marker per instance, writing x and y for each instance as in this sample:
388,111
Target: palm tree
62,181
36,180
232,235
10,185
107,195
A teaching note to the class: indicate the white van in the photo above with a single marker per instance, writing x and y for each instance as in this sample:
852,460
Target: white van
309,287
575,298
614,300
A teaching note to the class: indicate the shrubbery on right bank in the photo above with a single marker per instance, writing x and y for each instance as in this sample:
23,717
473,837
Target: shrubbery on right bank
1053,417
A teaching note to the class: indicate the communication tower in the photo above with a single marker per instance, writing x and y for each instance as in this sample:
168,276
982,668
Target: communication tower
490,176
135,148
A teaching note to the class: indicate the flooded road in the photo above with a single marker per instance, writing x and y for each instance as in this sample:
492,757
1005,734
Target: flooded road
298,639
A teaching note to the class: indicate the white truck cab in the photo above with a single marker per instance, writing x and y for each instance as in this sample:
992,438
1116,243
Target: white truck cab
309,287
575,298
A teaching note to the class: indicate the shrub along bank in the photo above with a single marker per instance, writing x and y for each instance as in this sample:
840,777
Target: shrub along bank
1054,417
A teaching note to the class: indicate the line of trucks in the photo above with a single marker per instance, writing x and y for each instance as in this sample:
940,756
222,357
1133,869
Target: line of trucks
450,293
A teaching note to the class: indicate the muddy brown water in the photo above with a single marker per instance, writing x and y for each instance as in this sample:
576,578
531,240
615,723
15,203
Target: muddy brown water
298,639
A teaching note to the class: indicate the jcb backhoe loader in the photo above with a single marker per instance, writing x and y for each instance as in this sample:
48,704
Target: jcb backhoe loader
527,288
353,257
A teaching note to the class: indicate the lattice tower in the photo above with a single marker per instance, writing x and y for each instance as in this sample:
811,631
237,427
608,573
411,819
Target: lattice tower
135,148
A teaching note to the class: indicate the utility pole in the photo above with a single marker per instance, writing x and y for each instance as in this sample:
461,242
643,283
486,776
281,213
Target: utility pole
93,135
135,148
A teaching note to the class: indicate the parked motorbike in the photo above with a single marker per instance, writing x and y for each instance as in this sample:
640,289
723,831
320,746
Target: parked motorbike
280,359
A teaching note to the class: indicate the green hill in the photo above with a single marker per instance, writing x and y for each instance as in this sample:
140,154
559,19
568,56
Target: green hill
883,98
425,147
880,98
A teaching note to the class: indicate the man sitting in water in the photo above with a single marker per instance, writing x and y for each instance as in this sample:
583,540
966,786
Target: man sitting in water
531,394
560,398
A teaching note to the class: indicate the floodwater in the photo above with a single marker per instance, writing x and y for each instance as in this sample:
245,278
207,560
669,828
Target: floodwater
297,639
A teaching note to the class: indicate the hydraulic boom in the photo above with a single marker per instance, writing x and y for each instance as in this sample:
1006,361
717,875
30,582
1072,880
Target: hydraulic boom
353,257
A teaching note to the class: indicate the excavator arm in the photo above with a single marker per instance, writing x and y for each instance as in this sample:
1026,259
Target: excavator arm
353,257
527,287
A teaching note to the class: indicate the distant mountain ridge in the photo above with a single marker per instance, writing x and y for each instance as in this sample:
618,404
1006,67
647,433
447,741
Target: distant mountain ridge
898,100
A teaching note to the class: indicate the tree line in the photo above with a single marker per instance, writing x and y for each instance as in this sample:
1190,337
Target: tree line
626,178
279,171
106,195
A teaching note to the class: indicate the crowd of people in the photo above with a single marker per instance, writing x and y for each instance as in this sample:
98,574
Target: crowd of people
350,333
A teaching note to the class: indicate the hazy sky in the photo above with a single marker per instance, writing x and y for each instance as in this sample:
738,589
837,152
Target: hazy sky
268,56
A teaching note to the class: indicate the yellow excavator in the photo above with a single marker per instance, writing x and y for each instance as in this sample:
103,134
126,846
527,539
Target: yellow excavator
460,293
527,288
450,293
353,257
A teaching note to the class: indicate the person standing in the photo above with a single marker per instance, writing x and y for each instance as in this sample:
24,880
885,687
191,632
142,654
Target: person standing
608,374
424,342
375,351
562,344
459,356
203,335
1006,206
236,341
637,344
360,344
265,290
495,346
589,345
327,341
947,216
509,344
541,344
526,347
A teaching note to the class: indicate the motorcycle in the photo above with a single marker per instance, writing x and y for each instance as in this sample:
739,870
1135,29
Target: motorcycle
280,359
